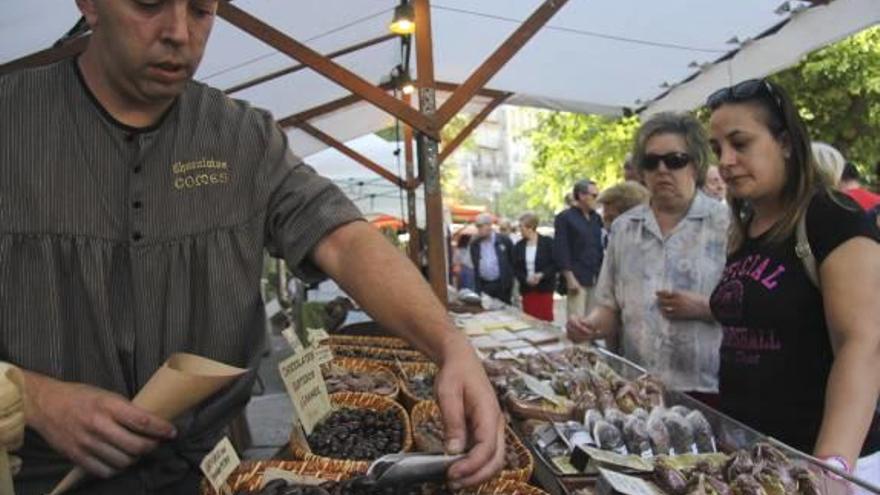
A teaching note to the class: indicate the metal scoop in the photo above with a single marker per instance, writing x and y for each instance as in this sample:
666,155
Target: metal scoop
404,469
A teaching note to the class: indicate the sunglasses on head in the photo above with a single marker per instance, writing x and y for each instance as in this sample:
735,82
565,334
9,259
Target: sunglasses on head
744,91
673,161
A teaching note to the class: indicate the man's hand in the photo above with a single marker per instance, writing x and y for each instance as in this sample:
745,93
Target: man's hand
535,279
683,305
471,416
582,328
98,430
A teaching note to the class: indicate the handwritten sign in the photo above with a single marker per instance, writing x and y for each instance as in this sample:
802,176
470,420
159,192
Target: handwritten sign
306,388
317,335
323,354
219,464
292,339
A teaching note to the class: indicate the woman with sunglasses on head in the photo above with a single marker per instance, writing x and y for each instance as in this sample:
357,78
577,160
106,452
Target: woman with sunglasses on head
799,361
663,260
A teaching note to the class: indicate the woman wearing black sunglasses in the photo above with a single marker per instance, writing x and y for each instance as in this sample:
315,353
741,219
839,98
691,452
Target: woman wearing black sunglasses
663,261
798,362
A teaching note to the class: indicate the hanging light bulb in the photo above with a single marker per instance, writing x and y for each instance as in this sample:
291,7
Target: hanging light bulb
406,84
403,21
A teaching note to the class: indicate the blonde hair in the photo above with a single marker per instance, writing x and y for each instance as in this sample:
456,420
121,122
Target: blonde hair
829,160
625,195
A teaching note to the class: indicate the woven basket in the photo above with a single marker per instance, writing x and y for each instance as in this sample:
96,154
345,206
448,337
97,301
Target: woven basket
505,487
372,367
249,475
545,410
384,356
356,401
358,340
424,410
403,370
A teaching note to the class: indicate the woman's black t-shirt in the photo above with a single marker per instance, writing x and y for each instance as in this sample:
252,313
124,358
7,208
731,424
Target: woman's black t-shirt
776,353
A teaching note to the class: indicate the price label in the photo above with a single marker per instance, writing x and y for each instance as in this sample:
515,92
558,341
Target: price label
540,388
219,464
317,335
292,339
323,354
628,485
306,388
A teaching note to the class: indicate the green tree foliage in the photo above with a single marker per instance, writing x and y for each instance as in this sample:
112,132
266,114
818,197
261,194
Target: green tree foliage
837,90
568,147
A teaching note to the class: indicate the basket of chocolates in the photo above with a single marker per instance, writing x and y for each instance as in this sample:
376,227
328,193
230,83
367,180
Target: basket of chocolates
416,382
360,376
248,477
361,428
380,354
368,341
428,435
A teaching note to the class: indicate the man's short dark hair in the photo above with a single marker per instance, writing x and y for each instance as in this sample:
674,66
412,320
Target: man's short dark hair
850,172
581,187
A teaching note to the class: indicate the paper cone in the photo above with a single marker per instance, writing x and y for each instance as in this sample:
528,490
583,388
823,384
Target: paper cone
180,384
11,421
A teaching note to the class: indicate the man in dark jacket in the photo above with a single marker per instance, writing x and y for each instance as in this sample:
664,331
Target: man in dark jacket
492,254
578,247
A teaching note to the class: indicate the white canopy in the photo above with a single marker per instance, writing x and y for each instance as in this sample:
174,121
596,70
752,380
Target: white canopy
594,56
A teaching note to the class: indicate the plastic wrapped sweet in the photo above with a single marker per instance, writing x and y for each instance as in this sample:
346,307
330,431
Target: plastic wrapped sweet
615,417
739,463
701,484
591,418
641,413
806,481
669,479
608,437
659,435
680,410
746,484
635,435
681,436
702,430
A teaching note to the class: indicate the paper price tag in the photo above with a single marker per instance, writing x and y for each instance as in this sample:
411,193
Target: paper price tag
317,335
306,388
632,462
323,354
292,339
219,464
540,388
628,485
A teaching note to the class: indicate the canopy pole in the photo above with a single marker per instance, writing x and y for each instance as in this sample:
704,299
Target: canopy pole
429,166
412,226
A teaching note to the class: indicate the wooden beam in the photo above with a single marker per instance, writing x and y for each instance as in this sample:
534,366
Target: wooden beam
295,68
327,68
345,101
326,108
345,150
469,129
451,87
427,151
496,61
47,56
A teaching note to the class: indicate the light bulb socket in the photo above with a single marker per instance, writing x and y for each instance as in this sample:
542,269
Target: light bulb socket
404,20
